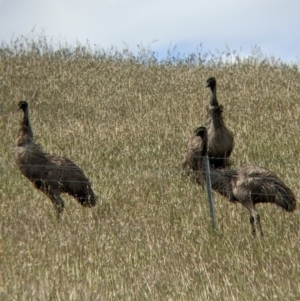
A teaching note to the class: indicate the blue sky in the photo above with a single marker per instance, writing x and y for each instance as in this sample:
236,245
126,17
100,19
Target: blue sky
274,26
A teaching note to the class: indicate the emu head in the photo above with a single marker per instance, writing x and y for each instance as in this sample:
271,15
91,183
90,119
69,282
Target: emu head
23,105
211,82
202,133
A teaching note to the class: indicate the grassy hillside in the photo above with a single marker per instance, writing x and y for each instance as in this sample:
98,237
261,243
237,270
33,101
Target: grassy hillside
126,124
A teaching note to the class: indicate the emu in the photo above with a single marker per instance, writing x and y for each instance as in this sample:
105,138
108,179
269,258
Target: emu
220,138
192,162
247,185
50,173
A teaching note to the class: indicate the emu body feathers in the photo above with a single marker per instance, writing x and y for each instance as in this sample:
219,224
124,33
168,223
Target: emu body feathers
50,173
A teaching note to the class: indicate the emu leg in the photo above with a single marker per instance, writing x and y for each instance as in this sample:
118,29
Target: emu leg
257,217
249,205
254,216
58,203
53,192
252,225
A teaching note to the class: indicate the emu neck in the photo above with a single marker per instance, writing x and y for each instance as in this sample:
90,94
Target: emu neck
213,99
215,118
25,132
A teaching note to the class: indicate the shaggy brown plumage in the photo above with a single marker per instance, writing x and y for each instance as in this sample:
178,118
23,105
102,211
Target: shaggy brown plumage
247,185
51,174
220,138
192,162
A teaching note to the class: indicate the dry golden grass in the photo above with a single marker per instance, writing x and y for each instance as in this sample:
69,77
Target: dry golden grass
149,238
